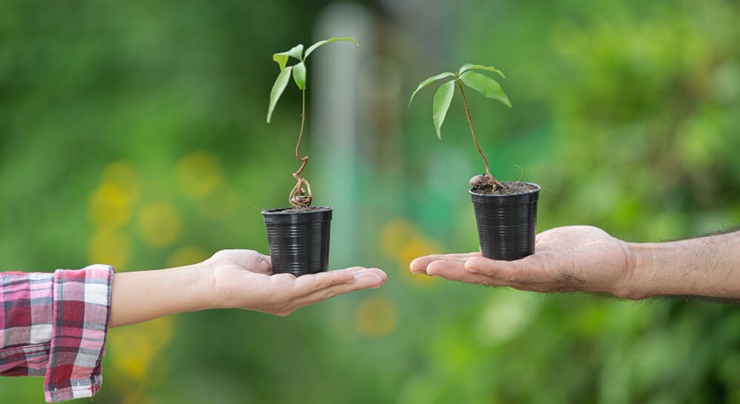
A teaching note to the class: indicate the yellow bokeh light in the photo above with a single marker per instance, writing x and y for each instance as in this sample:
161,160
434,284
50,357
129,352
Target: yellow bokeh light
109,247
110,203
123,175
159,224
187,256
401,240
376,316
416,248
198,174
135,347
220,205
395,235
109,206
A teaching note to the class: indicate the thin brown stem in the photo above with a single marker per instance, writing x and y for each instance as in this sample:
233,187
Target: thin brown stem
297,198
304,160
475,139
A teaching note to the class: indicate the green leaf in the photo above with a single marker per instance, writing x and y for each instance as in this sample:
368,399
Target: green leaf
277,89
299,75
430,81
486,86
469,66
442,100
464,67
326,41
282,57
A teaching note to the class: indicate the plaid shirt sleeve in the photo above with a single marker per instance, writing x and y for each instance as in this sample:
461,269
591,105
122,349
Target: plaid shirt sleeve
55,325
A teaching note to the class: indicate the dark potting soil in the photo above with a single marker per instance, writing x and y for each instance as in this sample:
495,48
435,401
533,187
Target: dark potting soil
302,210
512,188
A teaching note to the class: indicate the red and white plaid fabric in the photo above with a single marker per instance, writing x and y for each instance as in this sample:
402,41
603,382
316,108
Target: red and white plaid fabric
55,325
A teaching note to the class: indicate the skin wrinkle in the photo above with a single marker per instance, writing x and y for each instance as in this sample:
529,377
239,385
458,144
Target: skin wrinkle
482,282
627,291
497,275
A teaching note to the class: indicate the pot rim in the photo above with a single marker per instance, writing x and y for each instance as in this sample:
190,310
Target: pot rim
284,211
283,216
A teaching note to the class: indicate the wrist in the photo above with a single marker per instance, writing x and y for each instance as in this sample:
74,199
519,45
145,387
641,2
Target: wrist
202,288
192,286
145,295
679,268
638,283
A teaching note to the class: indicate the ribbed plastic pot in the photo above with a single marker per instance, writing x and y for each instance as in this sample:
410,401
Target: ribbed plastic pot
298,240
506,223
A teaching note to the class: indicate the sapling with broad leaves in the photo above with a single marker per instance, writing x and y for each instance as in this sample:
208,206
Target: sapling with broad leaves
300,196
467,77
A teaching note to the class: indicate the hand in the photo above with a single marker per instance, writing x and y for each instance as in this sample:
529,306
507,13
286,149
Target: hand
242,279
575,258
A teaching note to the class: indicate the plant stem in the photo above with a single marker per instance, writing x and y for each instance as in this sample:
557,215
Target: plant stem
304,160
495,182
296,195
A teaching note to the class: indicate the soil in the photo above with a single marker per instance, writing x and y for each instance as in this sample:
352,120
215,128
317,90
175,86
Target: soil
512,188
302,210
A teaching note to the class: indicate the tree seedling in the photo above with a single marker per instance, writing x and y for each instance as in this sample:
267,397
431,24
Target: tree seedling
442,99
300,196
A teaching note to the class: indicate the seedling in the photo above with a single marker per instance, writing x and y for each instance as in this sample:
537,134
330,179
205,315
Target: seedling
300,196
442,99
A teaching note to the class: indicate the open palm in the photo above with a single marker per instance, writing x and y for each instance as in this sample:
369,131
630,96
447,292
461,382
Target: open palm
573,258
243,279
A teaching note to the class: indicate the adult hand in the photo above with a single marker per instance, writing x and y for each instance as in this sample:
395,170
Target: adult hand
242,279
575,258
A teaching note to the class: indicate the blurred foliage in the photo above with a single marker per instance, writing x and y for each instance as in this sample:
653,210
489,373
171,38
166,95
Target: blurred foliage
133,134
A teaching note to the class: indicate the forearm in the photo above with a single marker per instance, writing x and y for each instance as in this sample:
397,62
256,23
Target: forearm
146,295
706,266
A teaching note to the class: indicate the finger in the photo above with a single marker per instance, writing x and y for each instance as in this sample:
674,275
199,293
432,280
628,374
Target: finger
359,277
419,265
365,278
525,274
454,270
496,270
307,284
263,264
352,270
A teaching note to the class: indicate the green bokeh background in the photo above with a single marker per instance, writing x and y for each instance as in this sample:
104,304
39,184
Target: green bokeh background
134,134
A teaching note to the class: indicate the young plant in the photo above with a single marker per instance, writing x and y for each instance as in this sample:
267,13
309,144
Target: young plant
442,99
300,196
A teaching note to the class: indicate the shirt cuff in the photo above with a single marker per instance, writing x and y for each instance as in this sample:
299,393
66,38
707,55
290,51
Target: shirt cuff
80,325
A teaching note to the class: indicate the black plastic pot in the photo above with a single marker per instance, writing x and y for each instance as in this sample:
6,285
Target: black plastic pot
298,240
506,223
